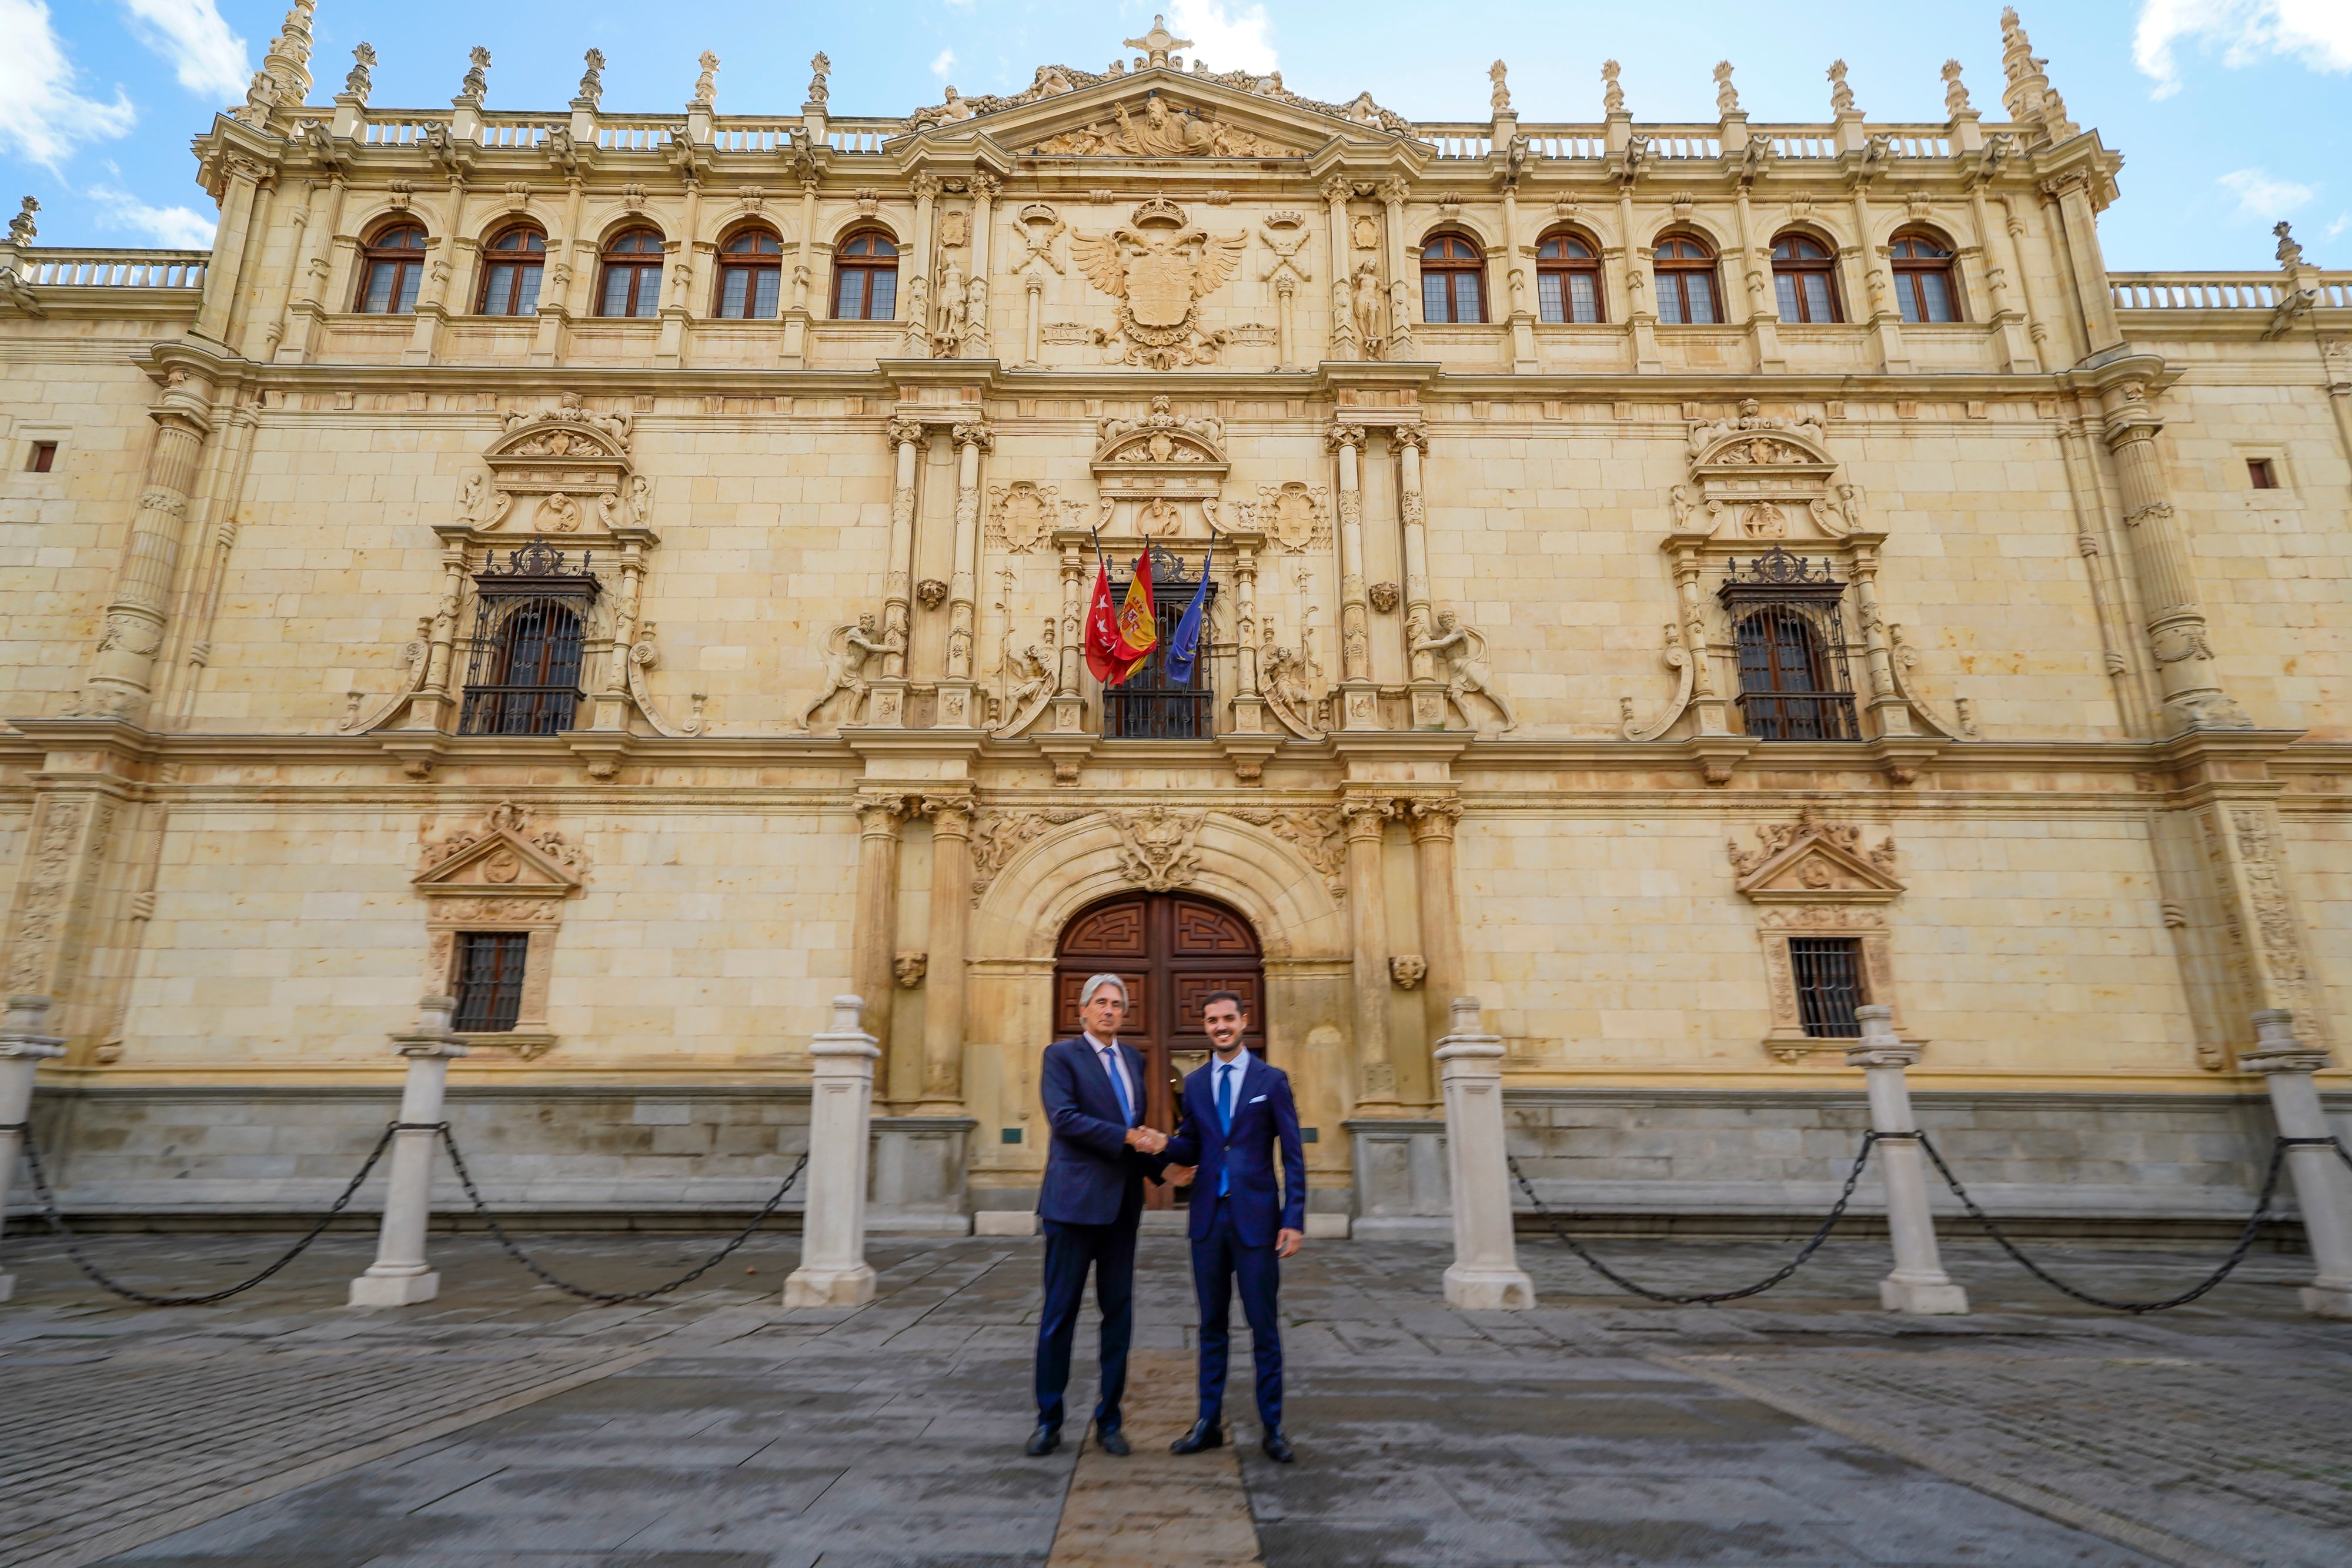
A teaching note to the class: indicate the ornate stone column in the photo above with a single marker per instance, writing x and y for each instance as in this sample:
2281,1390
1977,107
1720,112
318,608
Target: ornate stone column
2017,355
1763,305
975,320
444,261
1365,819
1641,291
1709,709
1343,330
1515,282
306,307
944,981
887,704
1884,318
435,699
1431,818
1360,706
1400,344
1285,290
874,928
1410,440
2192,694
958,709
1885,704
122,675
2072,191
1069,707
796,319
914,268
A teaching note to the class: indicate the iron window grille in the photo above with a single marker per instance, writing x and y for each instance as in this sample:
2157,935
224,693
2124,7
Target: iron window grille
490,980
1789,629
1148,707
1827,972
522,673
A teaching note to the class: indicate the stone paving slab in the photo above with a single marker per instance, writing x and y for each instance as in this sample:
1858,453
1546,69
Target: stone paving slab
512,1425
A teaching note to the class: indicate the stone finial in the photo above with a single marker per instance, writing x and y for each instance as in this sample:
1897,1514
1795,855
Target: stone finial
21,229
2025,82
1156,44
1612,97
1956,91
819,69
287,62
477,77
1726,97
1841,95
360,83
1500,98
2290,254
705,86
591,80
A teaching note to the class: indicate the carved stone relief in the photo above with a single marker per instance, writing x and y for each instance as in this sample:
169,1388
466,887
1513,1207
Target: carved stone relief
1159,267
510,872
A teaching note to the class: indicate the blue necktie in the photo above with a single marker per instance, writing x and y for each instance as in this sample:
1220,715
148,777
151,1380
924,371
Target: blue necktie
1224,1120
1117,1085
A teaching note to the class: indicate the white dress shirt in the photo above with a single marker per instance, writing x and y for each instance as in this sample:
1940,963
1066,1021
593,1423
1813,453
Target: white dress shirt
1107,1054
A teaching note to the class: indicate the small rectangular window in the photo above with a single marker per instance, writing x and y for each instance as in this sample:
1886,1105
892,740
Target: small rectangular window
1827,972
490,980
44,457
2260,473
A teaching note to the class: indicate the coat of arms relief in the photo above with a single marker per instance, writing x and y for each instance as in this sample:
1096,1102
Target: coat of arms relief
1159,267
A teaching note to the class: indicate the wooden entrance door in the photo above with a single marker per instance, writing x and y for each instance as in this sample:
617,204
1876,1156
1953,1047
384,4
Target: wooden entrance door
1171,949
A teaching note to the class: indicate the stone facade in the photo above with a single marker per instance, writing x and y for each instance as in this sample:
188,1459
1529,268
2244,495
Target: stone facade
1479,722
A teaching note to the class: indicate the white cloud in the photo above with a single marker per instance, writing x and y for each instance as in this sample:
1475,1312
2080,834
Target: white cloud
208,58
2342,221
2317,32
178,228
2263,195
1230,37
41,116
944,64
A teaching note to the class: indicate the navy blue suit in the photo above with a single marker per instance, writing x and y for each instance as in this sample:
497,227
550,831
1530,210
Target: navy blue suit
1234,1230
1090,1205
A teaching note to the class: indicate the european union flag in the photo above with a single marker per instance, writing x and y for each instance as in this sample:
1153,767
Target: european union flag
1184,647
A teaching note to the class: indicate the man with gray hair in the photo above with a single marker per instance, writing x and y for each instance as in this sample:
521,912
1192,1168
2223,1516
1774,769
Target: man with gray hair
1090,1205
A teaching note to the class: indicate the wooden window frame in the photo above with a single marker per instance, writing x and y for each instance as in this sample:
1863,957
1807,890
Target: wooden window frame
1799,268
1675,273
1565,268
407,265
493,259
1909,270
42,458
2263,474
1452,267
844,264
752,264
639,265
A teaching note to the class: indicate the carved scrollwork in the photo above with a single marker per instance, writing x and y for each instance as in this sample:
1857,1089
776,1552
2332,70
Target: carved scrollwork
413,657
1156,850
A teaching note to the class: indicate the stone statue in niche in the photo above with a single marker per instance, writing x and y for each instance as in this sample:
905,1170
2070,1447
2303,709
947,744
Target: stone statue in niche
1365,305
848,647
1465,651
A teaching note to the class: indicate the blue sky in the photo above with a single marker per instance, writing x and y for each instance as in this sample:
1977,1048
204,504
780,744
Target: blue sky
2233,113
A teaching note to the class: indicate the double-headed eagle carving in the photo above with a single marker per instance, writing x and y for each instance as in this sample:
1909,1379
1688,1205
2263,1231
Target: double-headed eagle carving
1160,268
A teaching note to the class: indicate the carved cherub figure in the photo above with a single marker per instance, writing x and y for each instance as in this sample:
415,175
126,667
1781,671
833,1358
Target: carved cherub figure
1464,653
846,649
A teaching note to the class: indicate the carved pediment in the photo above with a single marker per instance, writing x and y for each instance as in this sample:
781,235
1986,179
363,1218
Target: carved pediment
1813,861
509,855
562,470
1160,440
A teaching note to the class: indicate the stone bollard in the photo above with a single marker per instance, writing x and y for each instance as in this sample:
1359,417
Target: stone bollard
833,1271
399,1277
23,1047
2323,1187
1918,1283
1485,1275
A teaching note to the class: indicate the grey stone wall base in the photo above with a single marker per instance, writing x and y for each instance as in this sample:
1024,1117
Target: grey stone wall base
1403,1228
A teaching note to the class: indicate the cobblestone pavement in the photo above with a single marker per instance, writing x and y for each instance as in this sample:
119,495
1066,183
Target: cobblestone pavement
504,1424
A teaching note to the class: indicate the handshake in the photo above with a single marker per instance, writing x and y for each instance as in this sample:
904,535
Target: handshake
1150,1140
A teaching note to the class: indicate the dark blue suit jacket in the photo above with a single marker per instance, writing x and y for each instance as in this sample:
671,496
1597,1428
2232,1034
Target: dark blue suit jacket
1092,1177
1264,1114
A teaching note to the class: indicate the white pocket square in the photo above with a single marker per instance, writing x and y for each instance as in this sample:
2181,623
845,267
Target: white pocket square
1256,1098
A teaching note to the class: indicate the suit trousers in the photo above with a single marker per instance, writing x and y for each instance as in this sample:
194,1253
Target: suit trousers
1218,1261
1070,1251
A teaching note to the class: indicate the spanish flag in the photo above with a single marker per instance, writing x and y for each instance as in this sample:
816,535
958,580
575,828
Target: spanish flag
1113,651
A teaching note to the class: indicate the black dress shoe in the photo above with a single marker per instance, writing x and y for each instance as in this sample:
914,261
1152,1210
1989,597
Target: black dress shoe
1205,1434
1043,1440
1111,1440
1277,1447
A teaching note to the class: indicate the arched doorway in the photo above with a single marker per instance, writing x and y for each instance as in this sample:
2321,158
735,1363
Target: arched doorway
1171,949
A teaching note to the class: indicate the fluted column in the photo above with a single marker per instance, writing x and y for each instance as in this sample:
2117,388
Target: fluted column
1400,344
122,676
1343,330
915,269
975,320
957,708
874,928
1410,440
1365,819
943,977
1432,817
2176,623
1360,697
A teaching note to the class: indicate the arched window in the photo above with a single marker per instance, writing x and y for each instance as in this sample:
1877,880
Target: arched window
866,277
1568,279
1453,280
393,265
750,276
1925,287
1804,276
633,269
1684,267
511,266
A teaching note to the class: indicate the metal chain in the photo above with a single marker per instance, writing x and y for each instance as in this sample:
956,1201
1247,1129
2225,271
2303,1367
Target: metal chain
2228,1265
1837,1212
482,1211
73,1245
